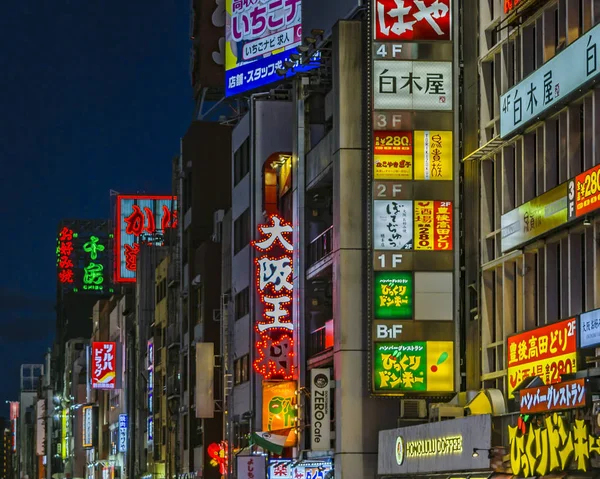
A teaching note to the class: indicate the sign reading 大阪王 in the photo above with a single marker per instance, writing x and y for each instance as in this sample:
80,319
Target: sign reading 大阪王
550,85
438,446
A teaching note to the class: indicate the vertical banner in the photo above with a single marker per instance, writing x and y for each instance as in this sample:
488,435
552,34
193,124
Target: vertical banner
104,365
251,467
320,407
87,413
205,373
40,428
123,426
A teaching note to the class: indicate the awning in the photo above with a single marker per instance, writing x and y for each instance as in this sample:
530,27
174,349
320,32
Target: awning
485,151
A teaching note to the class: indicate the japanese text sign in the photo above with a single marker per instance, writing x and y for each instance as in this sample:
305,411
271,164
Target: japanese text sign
546,352
88,426
550,85
140,220
393,224
433,155
274,271
409,85
123,424
280,469
251,467
556,445
279,408
589,329
312,469
421,366
433,225
412,20
566,395
534,218
584,193
104,365
393,295
393,155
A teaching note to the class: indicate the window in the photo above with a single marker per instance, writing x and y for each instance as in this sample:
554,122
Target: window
242,303
241,162
241,231
241,370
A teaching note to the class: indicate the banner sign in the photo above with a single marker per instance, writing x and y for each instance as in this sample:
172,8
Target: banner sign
534,218
280,469
104,365
420,366
550,85
412,20
320,405
251,467
87,413
433,225
278,408
393,294
566,395
393,224
547,352
393,152
584,193
589,329
123,423
433,155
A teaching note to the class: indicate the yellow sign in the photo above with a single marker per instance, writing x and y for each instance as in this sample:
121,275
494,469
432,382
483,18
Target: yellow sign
433,155
393,167
63,434
555,446
279,408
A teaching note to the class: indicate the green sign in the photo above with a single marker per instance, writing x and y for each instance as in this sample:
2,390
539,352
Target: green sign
393,295
419,366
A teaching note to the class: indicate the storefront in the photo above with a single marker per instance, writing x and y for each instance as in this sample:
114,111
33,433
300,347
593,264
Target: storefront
453,448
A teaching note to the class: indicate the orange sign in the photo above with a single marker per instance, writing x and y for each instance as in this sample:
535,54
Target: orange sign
279,408
393,155
547,352
433,225
587,191
567,395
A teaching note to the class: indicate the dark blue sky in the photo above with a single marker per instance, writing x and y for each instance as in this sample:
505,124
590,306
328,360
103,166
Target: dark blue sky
94,95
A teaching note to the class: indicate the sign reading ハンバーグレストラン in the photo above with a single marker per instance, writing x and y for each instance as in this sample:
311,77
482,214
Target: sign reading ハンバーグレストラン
551,84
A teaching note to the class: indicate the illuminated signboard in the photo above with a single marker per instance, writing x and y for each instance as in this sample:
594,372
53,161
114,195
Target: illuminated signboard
551,85
280,469
123,425
251,467
83,256
589,329
419,366
151,432
104,365
393,152
510,5
275,347
217,452
408,85
14,416
412,20
279,408
546,352
393,295
64,433
393,224
584,193
565,395
260,37
140,220
534,218
88,426
433,225
556,445
433,155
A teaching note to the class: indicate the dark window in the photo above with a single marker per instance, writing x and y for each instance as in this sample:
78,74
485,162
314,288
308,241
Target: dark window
241,231
241,370
242,303
241,162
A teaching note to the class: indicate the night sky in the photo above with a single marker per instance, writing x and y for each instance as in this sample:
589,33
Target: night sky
94,95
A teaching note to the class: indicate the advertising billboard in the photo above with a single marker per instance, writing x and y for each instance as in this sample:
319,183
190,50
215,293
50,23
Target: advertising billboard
259,38
550,86
320,406
40,428
408,85
412,20
123,425
546,352
589,329
393,155
584,193
104,365
534,218
433,225
566,395
393,295
393,224
433,155
141,219
279,408
251,467
419,366
84,252
88,426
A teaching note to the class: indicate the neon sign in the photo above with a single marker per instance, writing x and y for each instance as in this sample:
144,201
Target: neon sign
274,271
218,456
64,251
140,220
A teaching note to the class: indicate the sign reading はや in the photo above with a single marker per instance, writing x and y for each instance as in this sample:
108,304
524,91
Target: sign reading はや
412,20
104,365
547,352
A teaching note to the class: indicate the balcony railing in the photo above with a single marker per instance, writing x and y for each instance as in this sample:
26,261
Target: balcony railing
173,386
320,247
320,340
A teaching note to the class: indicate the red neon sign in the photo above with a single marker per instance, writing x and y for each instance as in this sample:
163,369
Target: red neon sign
274,271
64,250
218,456
138,218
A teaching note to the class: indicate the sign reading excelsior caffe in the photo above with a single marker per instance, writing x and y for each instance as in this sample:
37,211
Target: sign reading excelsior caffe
435,447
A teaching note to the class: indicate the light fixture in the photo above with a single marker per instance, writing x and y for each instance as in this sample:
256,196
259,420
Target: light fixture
303,49
288,64
281,72
317,32
310,40
587,221
477,449
294,57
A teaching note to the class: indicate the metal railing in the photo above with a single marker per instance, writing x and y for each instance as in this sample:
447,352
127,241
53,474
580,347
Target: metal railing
317,340
320,247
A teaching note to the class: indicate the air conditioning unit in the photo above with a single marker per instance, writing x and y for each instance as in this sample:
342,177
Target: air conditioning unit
413,408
